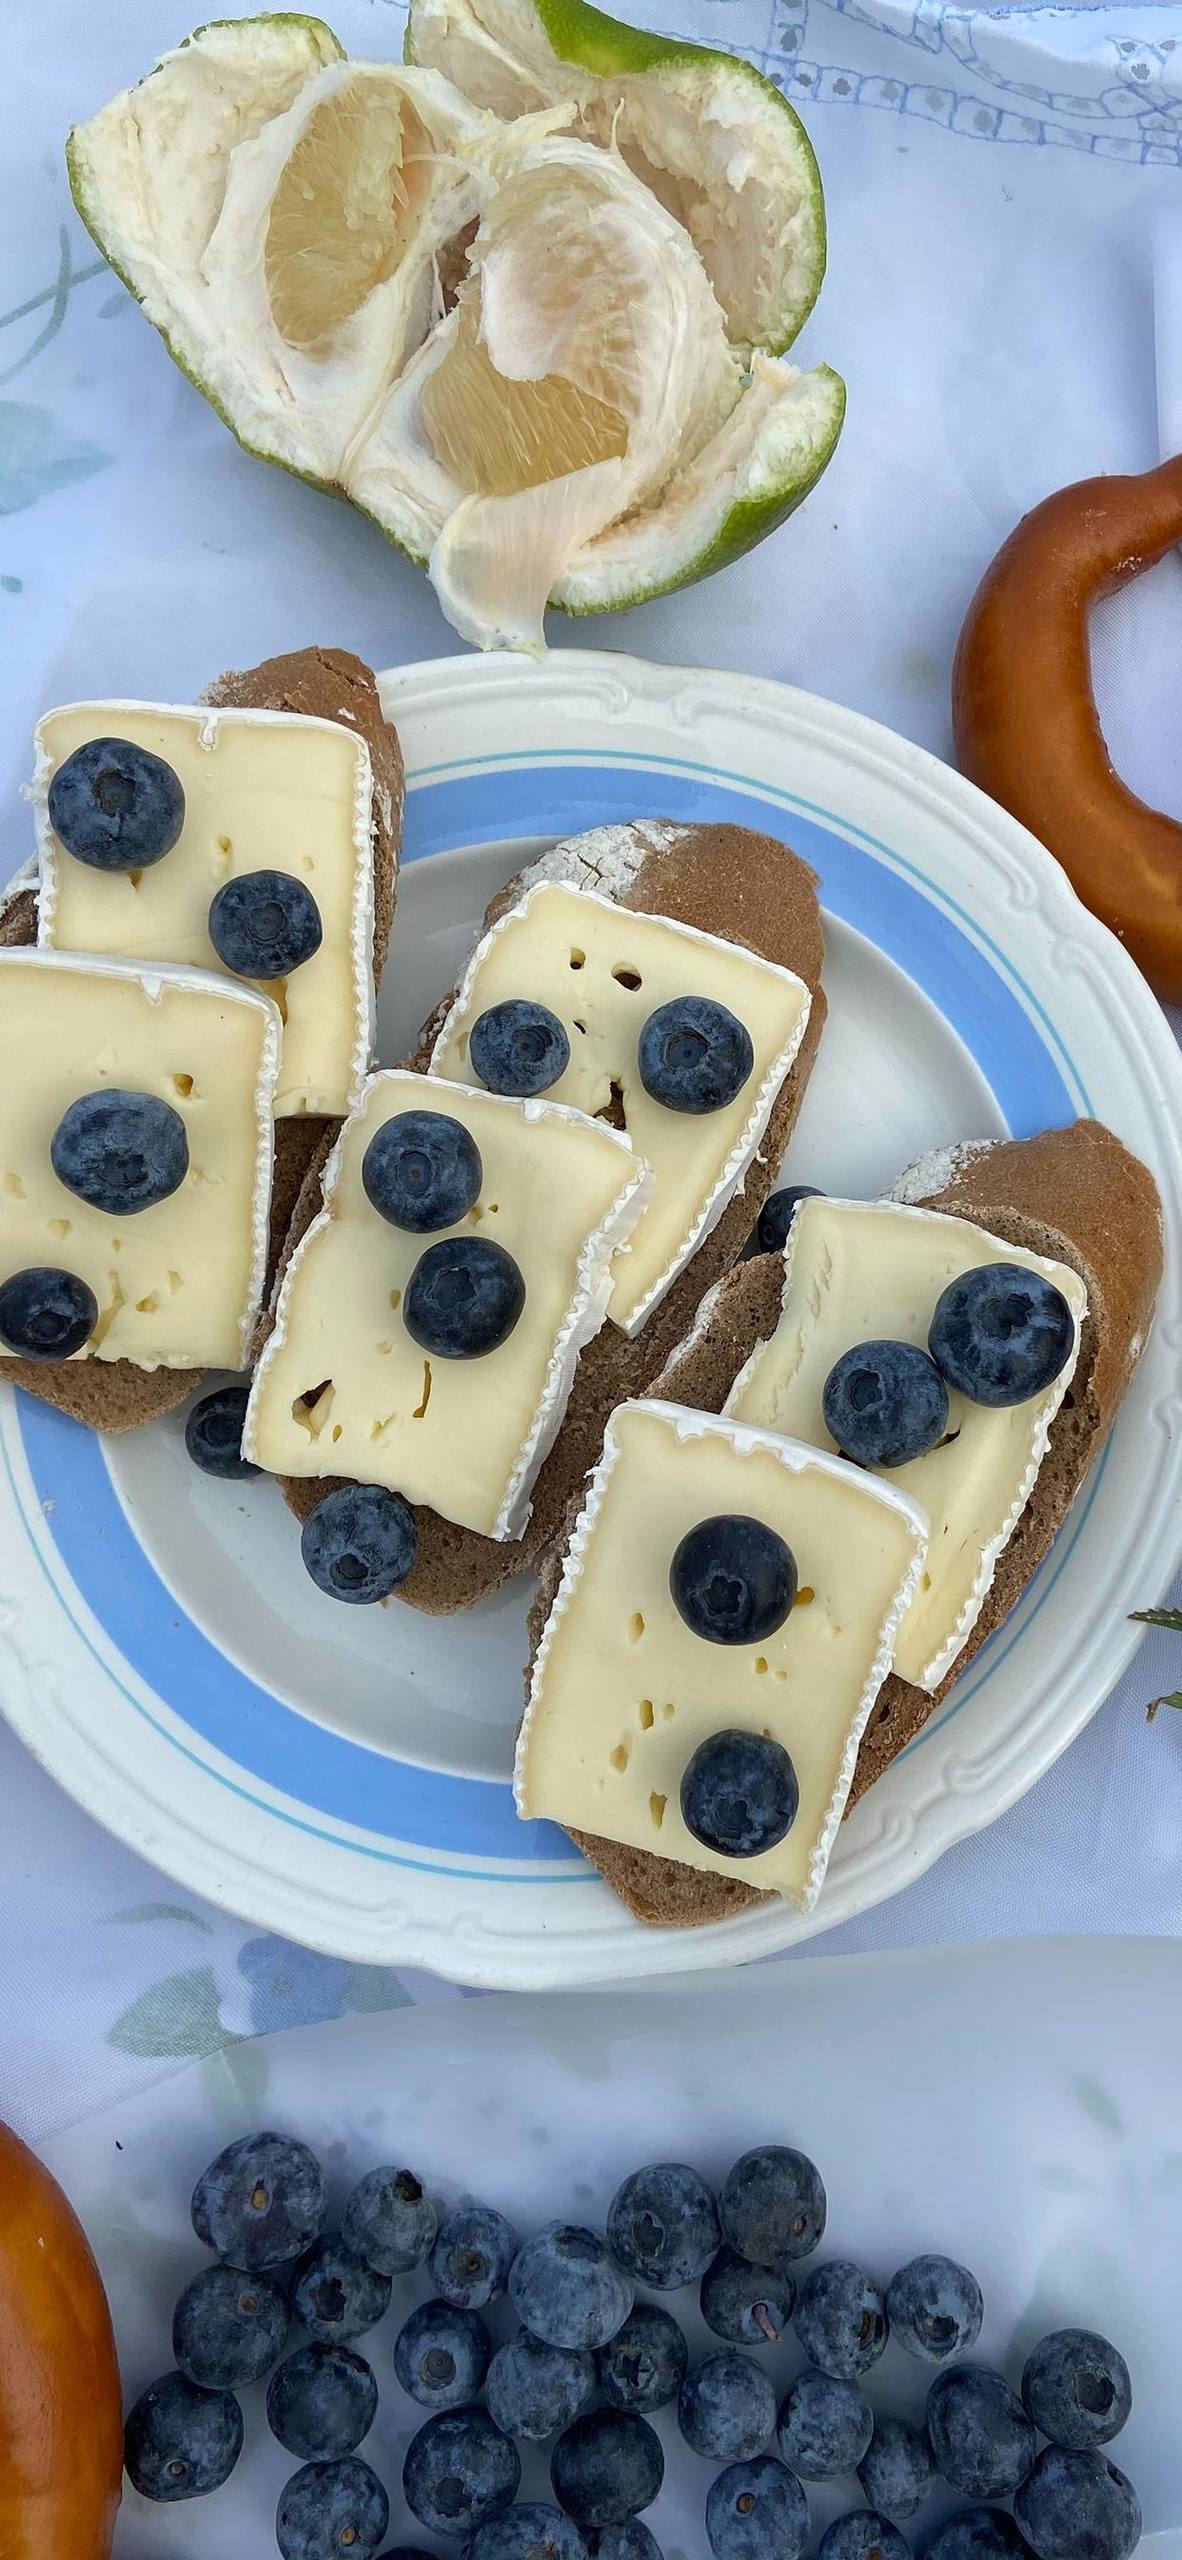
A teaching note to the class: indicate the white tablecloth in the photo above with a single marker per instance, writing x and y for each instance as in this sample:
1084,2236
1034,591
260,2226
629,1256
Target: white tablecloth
1004,298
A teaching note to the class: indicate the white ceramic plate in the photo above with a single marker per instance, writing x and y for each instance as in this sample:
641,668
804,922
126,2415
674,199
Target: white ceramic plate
1013,2105
342,1776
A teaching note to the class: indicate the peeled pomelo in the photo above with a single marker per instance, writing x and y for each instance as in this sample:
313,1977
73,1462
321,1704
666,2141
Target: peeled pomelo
717,143
523,346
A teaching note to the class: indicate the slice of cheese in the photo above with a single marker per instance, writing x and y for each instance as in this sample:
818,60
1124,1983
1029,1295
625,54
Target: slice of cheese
264,791
623,1692
341,1388
859,1271
178,1285
603,969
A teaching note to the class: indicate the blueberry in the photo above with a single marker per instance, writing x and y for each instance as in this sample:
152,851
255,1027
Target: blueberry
464,1298
336,2294
322,2401
1001,1334
749,2306
1078,2506
213,1433
772,2207
643,2367
442,2355
1077,2390
390,2221
977,2533
824,2426
739,1794
841,2320
662,2225
862,2536
885,1403
519,1048
935,2309
261,2201
726,2408
534,2391
459,2470
422,1170
116,806
897,2471
359,1543
733,1580
606,2467
568,2289
628,2540
531,2532
980,2434
180,2441
46,1314
264,924
757,2511
228,2328
120,1152
693,1055
332,2508
771,1229
474,2250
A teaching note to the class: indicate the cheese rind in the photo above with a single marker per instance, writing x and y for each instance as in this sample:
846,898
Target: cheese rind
178,1285
858,1271
603,969
264,791
562,1194
622,1692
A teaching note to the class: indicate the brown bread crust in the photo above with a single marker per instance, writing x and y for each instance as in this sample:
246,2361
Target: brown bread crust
326,684
745,888
1074,1194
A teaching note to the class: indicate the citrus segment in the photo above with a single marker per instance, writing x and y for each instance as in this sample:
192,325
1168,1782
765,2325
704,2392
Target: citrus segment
496,436
345,208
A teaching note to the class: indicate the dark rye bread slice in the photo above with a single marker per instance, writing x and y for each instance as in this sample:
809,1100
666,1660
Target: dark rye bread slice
1074,1194
745,888
324,684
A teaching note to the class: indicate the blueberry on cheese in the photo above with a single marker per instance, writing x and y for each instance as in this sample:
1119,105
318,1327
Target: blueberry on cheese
1002,1334
729,1753
120,1152
422,1170
683,1040
431,1319
739,1795
519,1048
46,1314
116,806
885,1403
264,925
859,1275
694,1056
136,1148
464,1298
359,1543
733,1581
220,839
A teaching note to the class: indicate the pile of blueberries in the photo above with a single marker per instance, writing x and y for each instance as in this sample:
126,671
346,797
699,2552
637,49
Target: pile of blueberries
592,2361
